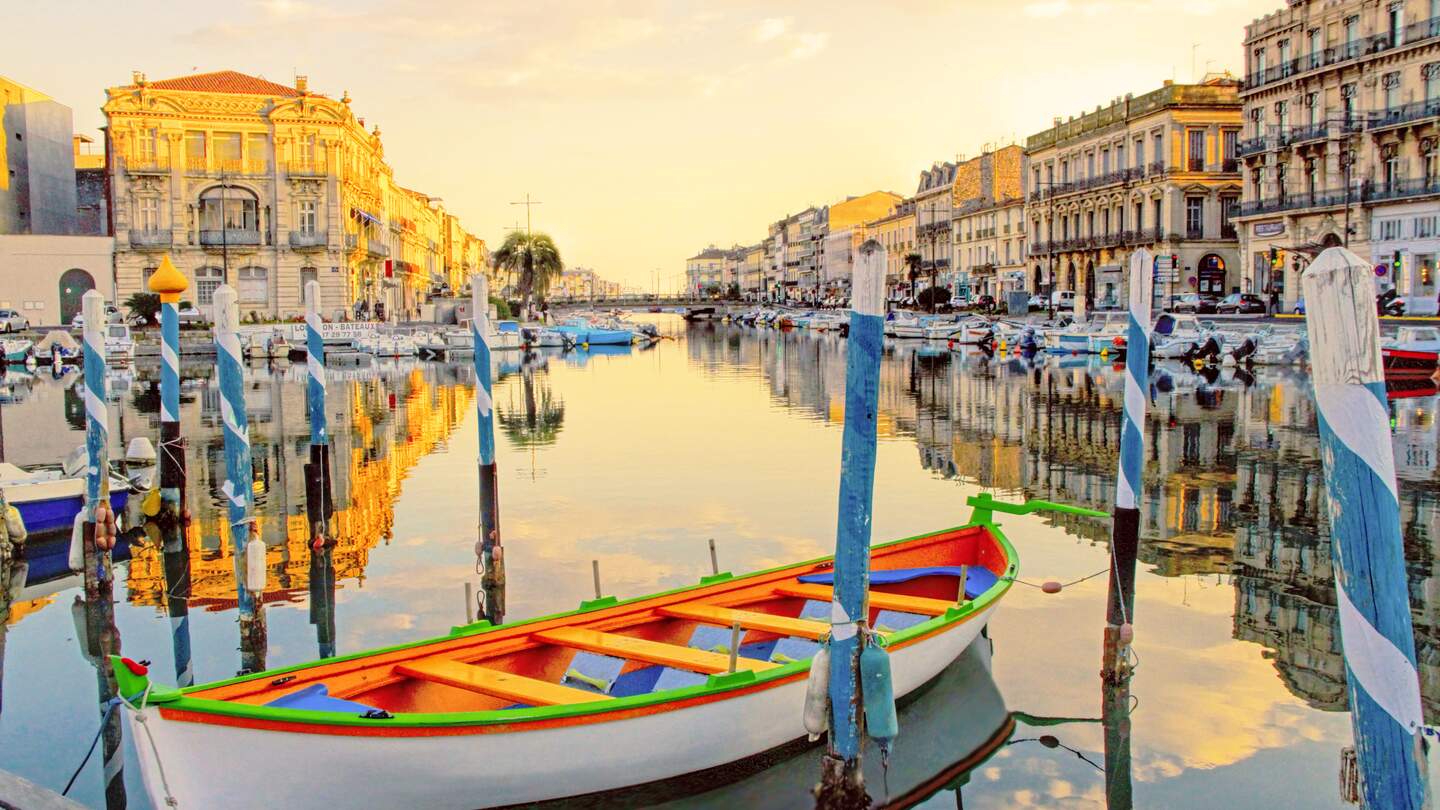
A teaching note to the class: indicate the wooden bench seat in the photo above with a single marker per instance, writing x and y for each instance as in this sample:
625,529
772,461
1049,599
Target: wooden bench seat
495,683
879,600
749,620
639,649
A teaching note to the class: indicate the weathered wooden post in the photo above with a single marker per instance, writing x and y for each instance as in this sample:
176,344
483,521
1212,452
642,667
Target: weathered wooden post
319,498
842,784
1129,484
97,446
1370,583
491,555
239,478
170,284
1115,715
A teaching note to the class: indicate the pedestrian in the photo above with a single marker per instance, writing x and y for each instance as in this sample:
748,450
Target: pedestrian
1274,305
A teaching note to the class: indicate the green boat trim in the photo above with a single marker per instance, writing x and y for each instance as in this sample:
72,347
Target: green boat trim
179,699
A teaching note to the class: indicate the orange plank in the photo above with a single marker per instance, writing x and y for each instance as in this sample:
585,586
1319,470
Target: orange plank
654,652
880,600
496,683
749,619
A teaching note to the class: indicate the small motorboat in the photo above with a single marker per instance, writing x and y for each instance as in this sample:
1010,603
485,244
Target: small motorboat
17,350
58,343
48,496
609,696
271,345
585,332
1415,338
1409,362
906,326
539,337
119,343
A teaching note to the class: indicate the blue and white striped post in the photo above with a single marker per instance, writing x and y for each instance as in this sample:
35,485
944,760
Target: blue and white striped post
318,506
97,438
841,781
1371,588
169,284
492,560
1129,484
239,472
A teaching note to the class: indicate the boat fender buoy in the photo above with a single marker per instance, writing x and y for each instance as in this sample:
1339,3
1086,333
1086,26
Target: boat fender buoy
77,543
15,525
1051,586
1049,741
150,505
318,543
1127,633
255,564
817,694
878,689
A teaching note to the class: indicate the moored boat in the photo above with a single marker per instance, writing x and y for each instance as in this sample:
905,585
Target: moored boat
612,695
49,496
1409,362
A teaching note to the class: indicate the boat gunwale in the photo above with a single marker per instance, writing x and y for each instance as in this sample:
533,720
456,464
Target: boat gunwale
180,705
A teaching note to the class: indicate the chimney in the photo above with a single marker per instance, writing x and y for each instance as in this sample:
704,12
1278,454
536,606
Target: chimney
137,77
302,83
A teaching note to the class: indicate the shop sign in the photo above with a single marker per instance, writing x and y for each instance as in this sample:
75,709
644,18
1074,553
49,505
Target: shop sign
1269,228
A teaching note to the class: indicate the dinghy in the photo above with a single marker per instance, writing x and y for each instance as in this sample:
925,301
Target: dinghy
610,696
49,496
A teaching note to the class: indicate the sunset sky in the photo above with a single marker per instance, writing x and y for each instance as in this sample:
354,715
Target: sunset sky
650,129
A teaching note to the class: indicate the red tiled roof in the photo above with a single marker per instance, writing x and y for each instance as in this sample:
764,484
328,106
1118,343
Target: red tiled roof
225,81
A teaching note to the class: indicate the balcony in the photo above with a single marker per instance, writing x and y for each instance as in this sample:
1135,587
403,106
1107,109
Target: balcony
377,250
1403,189
1156,168
1410,35
1293,202
229,168
1252,146
308,240
153,164
1404,114
1307,133
143,238
230,237
306,168
1230,165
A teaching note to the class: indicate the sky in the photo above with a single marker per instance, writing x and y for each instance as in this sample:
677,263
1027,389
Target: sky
650,129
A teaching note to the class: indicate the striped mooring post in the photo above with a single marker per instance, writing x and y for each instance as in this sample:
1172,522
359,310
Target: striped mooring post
170,284
842,783
319,498
239,472
1129,484
492,556
97,439
1371,588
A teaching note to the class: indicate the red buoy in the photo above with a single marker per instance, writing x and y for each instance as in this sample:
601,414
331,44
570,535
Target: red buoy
1051,586
1127,633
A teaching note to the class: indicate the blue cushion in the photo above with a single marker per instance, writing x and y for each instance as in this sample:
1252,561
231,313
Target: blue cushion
815,609
794,649
672,678
316,698
592,667
890,621
636,682
978,579
711,639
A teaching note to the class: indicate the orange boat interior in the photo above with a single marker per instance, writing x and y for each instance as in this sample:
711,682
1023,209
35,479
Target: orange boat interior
663,642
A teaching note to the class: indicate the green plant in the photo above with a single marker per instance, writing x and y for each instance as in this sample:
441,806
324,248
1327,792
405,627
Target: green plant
535,261
144,305
502,308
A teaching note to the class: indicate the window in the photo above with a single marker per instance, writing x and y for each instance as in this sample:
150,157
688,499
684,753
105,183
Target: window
195,150
1194,217
1396,32
1281,187
231,209
1431,74
1120,156
1425,227
1316,47
227,152
1159,217
1064,171
1347,101
1259,60
1285,69
307,220
1352,33
1229,209
1090,224
1139,216
1430,155
1282,116
1312,109
1036,179
1160,149
1090,164
1389,229
1231,149
1312,176
145,144
1105,161
207,280
1391,82
1140,153
1196,149
257,153
1390,153
147,214
307,275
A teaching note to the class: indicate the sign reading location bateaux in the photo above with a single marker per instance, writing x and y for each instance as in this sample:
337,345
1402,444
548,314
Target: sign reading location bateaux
1269,228
344,332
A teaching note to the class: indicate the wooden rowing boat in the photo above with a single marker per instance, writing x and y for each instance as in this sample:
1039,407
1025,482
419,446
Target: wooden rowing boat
612,695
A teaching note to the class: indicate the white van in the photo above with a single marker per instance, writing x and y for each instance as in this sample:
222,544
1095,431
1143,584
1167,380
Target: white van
1063,299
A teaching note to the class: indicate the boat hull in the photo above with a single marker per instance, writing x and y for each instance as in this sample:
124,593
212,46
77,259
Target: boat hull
1406,361
481,766
50,514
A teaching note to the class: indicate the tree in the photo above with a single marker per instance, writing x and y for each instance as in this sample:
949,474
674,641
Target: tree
912,263
535,261
934,297
144,305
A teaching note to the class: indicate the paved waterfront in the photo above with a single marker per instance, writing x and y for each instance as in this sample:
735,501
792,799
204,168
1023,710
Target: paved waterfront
636,458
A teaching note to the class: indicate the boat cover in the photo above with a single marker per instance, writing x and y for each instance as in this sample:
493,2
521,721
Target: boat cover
316,698
978,580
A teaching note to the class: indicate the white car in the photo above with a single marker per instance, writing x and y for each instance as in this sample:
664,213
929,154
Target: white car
112,315
12,321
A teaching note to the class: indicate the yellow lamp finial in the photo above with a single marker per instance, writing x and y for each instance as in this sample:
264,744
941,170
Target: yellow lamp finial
168,282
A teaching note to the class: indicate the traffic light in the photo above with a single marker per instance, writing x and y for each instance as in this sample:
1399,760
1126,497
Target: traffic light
1274,257
1396,264
1174,262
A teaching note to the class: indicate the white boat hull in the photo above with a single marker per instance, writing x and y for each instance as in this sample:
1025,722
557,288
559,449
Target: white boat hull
218,766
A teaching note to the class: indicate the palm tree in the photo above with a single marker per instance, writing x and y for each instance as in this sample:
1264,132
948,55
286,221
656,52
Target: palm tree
534,259
912,263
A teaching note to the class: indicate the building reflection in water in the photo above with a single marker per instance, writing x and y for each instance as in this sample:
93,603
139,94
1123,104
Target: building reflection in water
1233,478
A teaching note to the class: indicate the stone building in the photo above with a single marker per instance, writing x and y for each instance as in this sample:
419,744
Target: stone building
703,271
37,165
1157,171
933,197
1342,142
989,224
896,233
264,186
845,233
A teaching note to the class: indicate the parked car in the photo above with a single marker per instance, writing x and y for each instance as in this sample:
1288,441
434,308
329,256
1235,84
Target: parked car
1063,299
1300,306
1038,303
112,315
986,303
1241,304
190,316
12,321
1197,303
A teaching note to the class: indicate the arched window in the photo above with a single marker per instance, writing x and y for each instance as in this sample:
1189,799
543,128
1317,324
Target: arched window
233,209
253,285
207,280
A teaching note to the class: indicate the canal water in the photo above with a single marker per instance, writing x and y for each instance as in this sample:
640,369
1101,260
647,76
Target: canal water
637,458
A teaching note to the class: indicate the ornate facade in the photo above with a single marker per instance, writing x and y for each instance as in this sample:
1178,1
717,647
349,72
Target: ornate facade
1156,171
264,186
1342,142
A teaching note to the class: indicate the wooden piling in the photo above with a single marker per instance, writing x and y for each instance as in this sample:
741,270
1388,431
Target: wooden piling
1371,587
492,560
97,440
170,284
319,491
1115,716
1129,483
842,783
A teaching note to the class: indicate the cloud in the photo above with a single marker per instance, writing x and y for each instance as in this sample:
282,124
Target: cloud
808,44
771,28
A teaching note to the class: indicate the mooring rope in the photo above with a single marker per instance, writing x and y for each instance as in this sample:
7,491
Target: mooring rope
143,720
1064,585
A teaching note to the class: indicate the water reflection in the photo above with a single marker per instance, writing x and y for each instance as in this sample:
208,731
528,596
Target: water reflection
733,433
